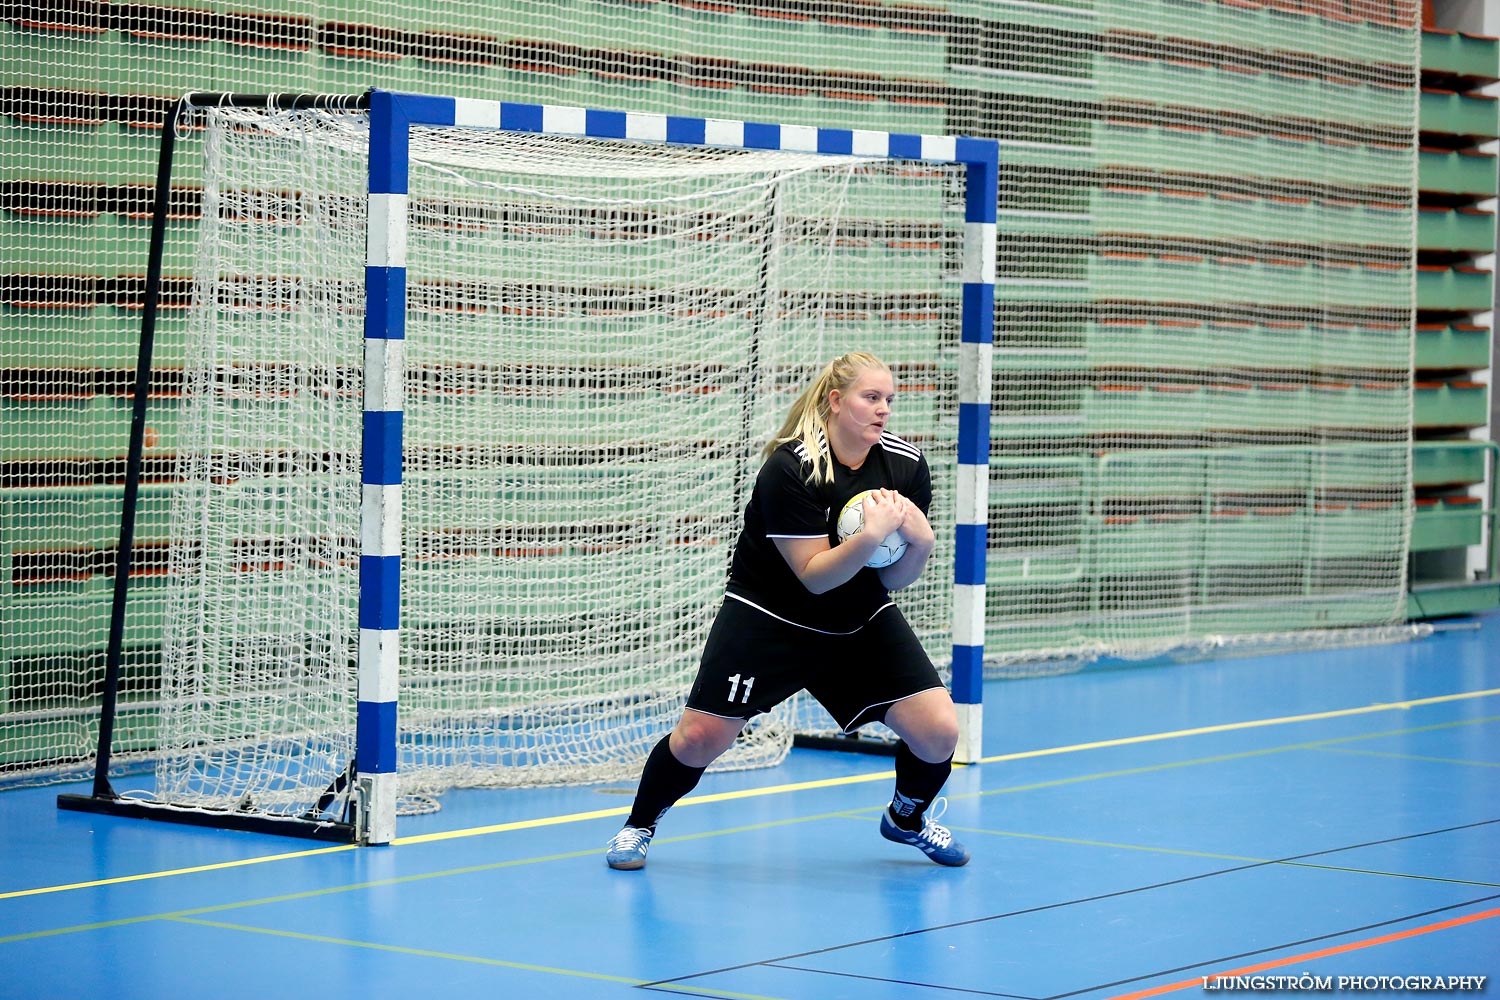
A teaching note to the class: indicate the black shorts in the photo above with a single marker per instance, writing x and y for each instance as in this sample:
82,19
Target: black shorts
753,661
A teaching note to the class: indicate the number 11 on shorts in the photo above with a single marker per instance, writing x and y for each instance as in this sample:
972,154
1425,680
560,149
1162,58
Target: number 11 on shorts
734,688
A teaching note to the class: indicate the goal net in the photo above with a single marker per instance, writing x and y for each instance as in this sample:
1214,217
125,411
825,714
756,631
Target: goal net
600,336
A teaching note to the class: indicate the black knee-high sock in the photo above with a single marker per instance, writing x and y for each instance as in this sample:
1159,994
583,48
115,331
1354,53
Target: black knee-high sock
664,780
917,784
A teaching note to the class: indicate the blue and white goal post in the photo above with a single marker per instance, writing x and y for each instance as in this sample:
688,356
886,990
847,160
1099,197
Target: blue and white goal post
391,117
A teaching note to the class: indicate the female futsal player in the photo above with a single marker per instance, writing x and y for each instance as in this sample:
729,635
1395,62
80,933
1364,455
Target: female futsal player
801,611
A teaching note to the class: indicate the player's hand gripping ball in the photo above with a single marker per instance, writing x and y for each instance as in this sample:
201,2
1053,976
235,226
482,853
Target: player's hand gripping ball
852,522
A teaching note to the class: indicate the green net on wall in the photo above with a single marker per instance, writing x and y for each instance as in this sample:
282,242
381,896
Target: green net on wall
1203,330
1204,337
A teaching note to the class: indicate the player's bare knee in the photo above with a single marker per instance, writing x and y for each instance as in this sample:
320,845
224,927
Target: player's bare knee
935,742
931,734
949,736
699,739
928,724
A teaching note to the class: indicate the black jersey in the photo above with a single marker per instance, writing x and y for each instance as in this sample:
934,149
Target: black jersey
785,505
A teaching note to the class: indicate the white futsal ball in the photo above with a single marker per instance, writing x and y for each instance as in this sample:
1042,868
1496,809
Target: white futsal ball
852,522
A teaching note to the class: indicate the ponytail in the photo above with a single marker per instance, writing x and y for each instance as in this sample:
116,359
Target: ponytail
807,421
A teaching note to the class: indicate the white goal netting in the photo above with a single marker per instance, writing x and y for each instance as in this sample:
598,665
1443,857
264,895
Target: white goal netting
1206,286
600,337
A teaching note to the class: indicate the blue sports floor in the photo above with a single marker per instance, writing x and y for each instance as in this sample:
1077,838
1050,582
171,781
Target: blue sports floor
1134,830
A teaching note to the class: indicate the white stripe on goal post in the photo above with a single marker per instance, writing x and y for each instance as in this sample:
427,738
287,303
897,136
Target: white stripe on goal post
391,116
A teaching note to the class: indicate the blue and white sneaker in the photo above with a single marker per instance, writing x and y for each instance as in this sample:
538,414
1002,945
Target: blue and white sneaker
932,840
626,850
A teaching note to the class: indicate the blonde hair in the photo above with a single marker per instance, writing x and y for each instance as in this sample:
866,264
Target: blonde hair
807,421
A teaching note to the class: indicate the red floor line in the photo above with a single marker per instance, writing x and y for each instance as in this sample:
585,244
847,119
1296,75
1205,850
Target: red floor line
1309,956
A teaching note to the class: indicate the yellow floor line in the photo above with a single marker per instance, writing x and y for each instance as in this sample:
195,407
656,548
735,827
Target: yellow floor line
196,915
400,950
1420,757
692,800
773,790
697,990
1252,724
888,775
122,879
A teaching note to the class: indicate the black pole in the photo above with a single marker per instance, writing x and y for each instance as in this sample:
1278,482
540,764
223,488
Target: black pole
139,395
281,102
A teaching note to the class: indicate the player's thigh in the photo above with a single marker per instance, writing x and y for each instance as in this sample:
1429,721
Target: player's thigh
751,663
